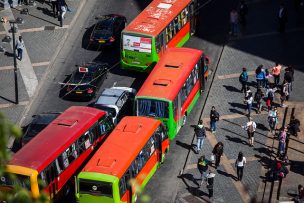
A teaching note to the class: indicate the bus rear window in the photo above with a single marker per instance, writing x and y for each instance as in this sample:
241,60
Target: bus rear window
152,108
15,180
95,188
136,43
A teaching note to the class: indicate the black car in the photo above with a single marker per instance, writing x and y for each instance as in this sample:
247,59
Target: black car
38,123
107,30
84,82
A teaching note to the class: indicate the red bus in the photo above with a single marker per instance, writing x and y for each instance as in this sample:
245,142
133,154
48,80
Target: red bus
134,150
163,24
58,151
173,87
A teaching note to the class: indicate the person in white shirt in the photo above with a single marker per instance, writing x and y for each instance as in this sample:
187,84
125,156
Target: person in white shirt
20,46
239,164
249,100
250,128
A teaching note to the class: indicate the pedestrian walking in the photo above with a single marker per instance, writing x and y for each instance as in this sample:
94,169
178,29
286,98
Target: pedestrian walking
248,101
273,119
250,127
210,183
260,76
284,93
270,92
300,196
243,79
234,22
282,141
258,99
214,117
218,152
248,91
282,18
267,78
20,47
276,71
279,172
243,10
55,9
288,76
202,166
239,164
200,133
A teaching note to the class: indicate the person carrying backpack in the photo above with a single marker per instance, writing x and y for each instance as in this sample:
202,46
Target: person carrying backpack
270,92
260,76
214,117
243,79
258,99
200,133
250,128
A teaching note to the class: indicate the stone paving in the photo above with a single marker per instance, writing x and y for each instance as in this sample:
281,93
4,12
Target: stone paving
43,38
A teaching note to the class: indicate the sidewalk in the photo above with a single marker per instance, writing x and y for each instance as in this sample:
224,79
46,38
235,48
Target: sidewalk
43,39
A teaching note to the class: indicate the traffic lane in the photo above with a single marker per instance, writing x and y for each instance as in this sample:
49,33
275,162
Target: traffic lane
73,54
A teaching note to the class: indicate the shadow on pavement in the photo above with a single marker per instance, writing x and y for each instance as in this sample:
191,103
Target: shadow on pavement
193,190
224,173
236,140
231,88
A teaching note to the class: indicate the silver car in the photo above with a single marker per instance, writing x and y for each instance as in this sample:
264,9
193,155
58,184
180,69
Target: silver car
116,101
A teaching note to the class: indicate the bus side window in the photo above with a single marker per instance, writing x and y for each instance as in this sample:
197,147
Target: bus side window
179,22
176,26
167,35
95,130
50,173
158,42
122,186
105,125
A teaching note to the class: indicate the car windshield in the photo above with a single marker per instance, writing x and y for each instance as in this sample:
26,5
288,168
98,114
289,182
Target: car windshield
34,130
82,77
152,108
96,188
104,25
109,110
15,180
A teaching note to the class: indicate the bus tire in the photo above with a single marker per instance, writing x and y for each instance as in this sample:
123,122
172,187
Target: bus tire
184,119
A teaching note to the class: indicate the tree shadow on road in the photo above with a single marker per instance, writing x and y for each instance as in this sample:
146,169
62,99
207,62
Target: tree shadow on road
237,111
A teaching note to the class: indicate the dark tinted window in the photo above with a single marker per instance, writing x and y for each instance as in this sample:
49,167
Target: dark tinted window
15,180
95,188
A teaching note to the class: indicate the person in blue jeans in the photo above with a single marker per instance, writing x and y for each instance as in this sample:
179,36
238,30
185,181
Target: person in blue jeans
200,135
214,117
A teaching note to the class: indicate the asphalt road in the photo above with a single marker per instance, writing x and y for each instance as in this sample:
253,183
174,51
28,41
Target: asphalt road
210,36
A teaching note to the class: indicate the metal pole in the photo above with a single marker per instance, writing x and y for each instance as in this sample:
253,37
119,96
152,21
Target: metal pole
13,28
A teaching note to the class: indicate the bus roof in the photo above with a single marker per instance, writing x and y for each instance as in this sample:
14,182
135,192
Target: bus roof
156,16
122,146
170,73
56,137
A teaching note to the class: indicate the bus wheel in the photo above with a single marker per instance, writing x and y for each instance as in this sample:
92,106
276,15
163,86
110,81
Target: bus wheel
184,120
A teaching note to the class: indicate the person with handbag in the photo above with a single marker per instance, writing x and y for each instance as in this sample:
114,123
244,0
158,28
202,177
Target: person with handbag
218,151
239,164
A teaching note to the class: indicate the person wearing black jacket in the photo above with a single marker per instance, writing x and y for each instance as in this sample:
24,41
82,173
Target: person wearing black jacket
200,135
214,117
218,152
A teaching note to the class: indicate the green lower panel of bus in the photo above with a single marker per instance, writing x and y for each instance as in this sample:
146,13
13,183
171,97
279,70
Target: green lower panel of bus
193,102
184,40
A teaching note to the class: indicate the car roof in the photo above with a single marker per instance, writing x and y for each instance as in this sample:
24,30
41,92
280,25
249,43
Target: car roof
109,96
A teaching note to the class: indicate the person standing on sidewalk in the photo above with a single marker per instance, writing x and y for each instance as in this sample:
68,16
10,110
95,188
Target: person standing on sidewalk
250,128
243,79
282,18
282,141
260,76
218,151
273,119
288,77
239,164
210,183
248,101
258,99
200,133
276,71
202,166
234,22
284,93
55,9
20,47
214,117
270,92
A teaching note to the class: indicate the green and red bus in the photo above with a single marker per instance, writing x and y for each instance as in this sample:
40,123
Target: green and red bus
173,87
58,152
134,150
161,25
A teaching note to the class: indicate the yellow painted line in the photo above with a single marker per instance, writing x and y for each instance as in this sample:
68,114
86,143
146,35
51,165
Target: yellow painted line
234,75
6,67
23,103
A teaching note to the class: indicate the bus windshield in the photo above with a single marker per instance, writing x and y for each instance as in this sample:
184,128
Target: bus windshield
137,43
152,108
96,188
15,180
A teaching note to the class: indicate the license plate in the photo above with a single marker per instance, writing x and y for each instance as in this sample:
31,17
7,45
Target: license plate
78,92
101,41
135,62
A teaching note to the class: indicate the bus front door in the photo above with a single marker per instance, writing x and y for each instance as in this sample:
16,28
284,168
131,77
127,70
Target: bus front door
193,16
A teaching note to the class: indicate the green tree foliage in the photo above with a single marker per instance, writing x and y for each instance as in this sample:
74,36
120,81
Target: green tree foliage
18,194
